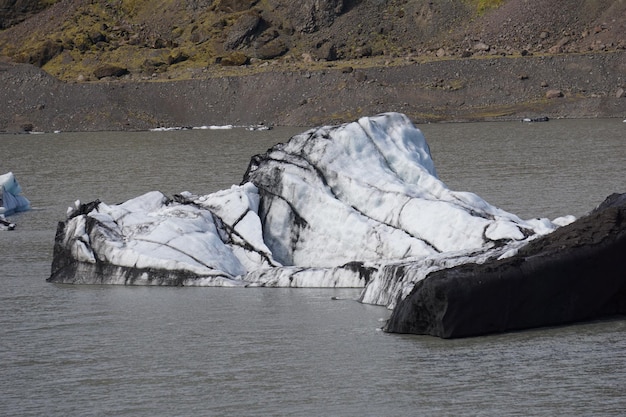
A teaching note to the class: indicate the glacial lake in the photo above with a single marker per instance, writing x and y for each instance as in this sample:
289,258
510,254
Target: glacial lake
143,351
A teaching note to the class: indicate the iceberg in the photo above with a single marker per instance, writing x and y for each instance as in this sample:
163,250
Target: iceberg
11,200
355,205
359,205
574,274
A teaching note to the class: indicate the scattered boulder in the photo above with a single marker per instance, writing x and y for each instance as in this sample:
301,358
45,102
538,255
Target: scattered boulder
46,52
240,33
265,37
177,57
27,127
360,76
558,47
620,93
482,47
153,66
97,36
109,70
272,49
550,94
234,59
327,52
160,43
233,6
363,51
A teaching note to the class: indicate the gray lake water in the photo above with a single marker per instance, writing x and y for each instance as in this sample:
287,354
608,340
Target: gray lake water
142,351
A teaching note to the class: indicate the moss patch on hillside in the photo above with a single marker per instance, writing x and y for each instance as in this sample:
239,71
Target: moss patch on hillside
127,33
484,5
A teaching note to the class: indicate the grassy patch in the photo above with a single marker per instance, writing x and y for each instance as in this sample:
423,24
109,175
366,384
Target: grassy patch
484,5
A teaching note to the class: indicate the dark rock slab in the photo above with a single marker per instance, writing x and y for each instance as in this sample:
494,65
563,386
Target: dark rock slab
576,273
272,49
242,30
109,70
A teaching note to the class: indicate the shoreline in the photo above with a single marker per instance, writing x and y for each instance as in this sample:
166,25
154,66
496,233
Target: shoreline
571,86
252,128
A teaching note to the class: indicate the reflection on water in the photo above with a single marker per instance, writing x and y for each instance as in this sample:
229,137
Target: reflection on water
90,350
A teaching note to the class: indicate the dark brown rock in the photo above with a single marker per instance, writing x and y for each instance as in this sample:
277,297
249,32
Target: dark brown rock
234,59
153,66
97,36
327,52
242,30
360,76
109,70
45,53
177,57
272,49
230,6
550,94
27,127
363,51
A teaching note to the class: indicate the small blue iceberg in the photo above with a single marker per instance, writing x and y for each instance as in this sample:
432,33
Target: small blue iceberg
11,200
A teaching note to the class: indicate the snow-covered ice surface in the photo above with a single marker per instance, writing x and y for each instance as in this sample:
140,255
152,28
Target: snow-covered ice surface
11,200
355,205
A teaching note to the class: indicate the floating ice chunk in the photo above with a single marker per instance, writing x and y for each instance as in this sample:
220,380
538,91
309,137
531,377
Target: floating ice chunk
355,205
214,127
11,200
5,224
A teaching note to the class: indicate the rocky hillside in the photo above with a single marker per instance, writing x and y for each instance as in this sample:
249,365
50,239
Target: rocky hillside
138,64
83,40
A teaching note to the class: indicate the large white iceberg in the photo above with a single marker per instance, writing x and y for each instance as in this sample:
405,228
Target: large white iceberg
11,200
355,205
